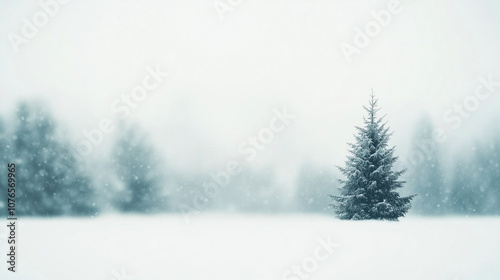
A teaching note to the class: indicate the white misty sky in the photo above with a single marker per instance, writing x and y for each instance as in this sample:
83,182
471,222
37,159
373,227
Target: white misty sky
227,75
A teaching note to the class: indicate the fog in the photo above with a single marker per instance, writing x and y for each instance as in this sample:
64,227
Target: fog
233,74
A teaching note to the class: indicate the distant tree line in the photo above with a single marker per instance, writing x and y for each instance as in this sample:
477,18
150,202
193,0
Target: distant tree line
132,177
463,182
448,182
53,181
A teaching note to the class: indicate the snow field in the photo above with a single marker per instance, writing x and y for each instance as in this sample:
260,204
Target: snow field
256,247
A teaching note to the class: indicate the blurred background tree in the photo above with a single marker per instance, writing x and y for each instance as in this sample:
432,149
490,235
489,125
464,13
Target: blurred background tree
50,180
137,167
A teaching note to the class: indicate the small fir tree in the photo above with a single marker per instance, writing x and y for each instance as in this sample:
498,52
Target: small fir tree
369,192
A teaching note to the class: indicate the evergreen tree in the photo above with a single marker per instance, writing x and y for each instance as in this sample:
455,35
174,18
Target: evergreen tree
474,188
486,171
136,166
494,174
52,182
369,190
427,177
4,160
467,192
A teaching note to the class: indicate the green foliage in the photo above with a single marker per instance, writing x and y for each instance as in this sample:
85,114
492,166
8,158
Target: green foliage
369,190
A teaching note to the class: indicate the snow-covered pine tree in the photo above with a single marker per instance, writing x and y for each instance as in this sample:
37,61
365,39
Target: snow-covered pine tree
369,190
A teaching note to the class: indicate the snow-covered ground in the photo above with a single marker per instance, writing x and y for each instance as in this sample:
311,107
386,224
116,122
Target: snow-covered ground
256,247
